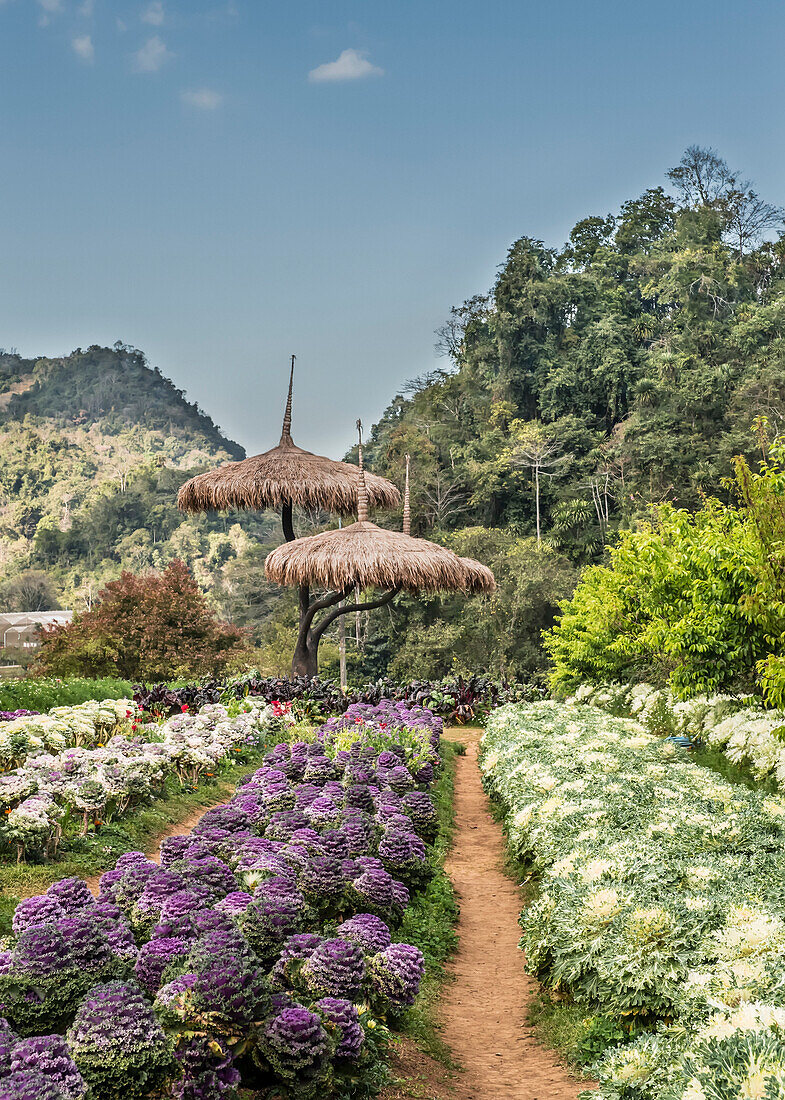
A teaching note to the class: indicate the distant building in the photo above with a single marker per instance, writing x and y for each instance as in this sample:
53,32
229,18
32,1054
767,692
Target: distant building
20,630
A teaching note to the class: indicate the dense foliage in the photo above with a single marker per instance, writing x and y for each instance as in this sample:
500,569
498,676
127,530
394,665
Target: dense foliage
660,907
622,370
152,626
261,952
695,600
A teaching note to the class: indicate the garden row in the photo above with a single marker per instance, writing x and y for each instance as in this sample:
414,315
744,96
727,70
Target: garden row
52,790
261,952
661,904
455,699
747,735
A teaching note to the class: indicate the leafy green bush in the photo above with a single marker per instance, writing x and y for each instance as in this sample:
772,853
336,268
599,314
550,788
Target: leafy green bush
43,693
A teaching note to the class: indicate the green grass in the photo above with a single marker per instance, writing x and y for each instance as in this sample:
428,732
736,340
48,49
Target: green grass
43,693
90,855
429,922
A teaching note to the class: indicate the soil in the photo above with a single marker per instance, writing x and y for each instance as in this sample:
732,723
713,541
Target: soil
484,1011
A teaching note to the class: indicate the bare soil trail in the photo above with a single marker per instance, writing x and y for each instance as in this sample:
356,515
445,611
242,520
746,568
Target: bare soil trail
484,1010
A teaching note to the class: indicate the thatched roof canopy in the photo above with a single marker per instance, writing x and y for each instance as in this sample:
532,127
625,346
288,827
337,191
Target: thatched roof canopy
284,475
480,581
367,556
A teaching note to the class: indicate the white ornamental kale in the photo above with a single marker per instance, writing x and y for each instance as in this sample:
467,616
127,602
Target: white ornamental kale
660,898
118,770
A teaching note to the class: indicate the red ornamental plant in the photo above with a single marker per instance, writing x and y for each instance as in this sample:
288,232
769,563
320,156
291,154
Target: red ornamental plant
153,626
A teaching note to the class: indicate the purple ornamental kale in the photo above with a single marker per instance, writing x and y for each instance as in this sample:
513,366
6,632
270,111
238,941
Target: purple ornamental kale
211,874
321,880
41,952
418,805
296,1044
335,969
319,770
368,931
296,949
86,944
178,912
233,989
35,911
235,903
306,793
396,974
321,812
208,1071
284,823
359,795
374,891
173,848
272,917
153,959
49,1055
73,894
401,850
115,1037
400,780
425,774
7,1043
28,1084
343,1015
336,843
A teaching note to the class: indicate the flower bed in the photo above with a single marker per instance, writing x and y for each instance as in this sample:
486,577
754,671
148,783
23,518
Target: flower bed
93,785
746,734
661,903
86,724
260,952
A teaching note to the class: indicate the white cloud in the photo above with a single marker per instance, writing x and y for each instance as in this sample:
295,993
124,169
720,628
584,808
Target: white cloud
83,47
205,99
151,56
351,65
154,14
51,6
86,8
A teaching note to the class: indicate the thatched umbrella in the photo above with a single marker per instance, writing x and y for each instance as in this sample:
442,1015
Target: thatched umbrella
362,556
479,580
282,477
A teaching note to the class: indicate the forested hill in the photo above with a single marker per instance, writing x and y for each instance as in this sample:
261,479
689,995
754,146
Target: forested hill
627,365
620,370
94,447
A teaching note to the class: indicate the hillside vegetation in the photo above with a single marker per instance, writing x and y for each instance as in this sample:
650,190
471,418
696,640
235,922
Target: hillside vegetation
95,446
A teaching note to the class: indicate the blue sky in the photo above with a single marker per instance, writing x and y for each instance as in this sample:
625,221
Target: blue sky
224,182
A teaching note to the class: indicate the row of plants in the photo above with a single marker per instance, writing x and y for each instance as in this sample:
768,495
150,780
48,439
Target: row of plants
747,735
660,911
455,699
41,693
260,954
85,788
85,725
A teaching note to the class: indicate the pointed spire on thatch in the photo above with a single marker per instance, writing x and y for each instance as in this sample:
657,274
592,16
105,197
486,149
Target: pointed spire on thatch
362,493
285,476
407,511
286,430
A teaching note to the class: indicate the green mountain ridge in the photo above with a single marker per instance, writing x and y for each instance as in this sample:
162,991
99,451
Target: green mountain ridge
95,445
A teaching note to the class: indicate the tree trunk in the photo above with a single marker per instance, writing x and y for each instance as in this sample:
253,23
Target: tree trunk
305,661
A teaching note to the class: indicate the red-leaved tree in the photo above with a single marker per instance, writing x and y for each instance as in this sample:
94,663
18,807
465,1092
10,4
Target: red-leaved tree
155,626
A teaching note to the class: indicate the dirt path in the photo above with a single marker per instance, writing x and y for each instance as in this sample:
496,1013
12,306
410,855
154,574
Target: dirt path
484,1010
